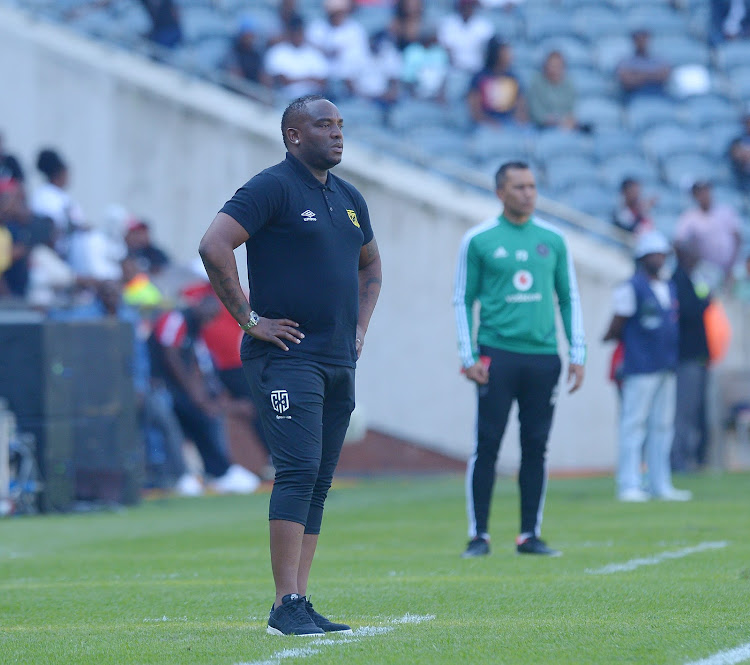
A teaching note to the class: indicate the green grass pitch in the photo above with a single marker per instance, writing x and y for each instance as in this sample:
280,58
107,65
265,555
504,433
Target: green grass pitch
187,581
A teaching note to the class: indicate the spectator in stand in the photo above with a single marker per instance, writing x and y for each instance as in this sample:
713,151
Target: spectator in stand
10,168
25,231
286,10
165,30
296,67
407,25
245,59
633,212
693,296
426,65
51,280
343,42
716,229
730,19
642,73
495,95
464,34
379,72
179,362
552,96
138,290
52,199
739,154
151,259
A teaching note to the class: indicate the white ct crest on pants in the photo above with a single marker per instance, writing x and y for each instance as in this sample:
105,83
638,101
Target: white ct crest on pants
280,402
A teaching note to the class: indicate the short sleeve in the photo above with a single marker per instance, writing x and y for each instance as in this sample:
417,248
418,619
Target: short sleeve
623,300
363,214
256,202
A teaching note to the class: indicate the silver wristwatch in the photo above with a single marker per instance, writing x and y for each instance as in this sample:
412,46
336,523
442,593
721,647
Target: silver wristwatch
252,322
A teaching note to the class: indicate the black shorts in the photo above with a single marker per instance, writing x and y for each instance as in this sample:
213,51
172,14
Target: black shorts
304,408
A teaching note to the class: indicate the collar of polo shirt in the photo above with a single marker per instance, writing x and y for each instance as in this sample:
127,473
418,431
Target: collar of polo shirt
307,177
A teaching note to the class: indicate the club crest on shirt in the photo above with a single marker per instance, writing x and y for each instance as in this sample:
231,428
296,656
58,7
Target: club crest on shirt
353,217
542,249
309,216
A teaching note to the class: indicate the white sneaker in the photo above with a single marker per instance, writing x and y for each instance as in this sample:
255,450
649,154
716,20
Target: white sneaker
633,496
676,495
188,485
236,480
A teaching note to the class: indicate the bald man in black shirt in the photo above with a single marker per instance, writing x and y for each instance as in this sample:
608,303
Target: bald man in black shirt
314,275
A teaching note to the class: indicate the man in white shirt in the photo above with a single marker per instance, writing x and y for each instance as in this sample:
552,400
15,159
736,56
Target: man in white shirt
296,67
464,35
341,39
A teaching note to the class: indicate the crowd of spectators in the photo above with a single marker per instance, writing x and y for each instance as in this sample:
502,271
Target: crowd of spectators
54,260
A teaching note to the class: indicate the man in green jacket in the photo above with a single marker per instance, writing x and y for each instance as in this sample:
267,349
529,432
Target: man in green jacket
516,266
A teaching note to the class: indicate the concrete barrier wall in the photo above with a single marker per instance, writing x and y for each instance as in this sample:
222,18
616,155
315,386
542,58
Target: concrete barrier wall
174,150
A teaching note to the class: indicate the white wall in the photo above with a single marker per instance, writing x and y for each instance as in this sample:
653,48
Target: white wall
174,150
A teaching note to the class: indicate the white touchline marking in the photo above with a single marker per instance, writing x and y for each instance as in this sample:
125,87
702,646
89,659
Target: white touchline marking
729,657
313,647
657,558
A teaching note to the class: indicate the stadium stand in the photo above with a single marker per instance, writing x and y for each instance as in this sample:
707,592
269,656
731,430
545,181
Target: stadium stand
666,141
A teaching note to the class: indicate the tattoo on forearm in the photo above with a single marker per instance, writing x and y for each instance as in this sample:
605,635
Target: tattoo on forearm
226,284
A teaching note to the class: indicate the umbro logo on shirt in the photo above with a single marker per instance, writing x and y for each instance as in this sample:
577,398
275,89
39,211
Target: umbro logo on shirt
309,216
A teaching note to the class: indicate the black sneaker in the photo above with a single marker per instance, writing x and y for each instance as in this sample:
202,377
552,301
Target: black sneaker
291,618
534,545
326,625
477,547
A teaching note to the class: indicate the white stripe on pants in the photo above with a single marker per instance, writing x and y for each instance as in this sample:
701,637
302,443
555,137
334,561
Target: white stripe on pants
646,418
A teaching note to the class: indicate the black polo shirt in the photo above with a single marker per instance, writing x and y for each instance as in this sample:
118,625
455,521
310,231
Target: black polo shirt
303,257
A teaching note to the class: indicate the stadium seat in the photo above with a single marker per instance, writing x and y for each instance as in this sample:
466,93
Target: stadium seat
706,110
662,141
733,54
659,19
610,50
670,202
739,82
615,141
508,26
718,137
729,196
644,112
590,22
679,49
681,171
575,52
438,141
416,113
591,82
373,18
553,143
618,167
204,22
491,143
566,171
547,23
599,112
592,199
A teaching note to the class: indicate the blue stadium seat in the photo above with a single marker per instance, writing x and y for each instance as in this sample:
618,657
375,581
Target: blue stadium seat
508,25
547,23
610,50
590,198
599,112
499,144
718,137
373,18
615,141
682,170
733,54
439,142
591,82
566,171
553,143
708,110
670,203
739,82
644,112
662,141
591,22
615,169
680,50
411,113
575,52
659,19
204,22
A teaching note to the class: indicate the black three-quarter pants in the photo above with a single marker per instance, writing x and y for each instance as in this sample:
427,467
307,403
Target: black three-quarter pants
531,380
304,408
